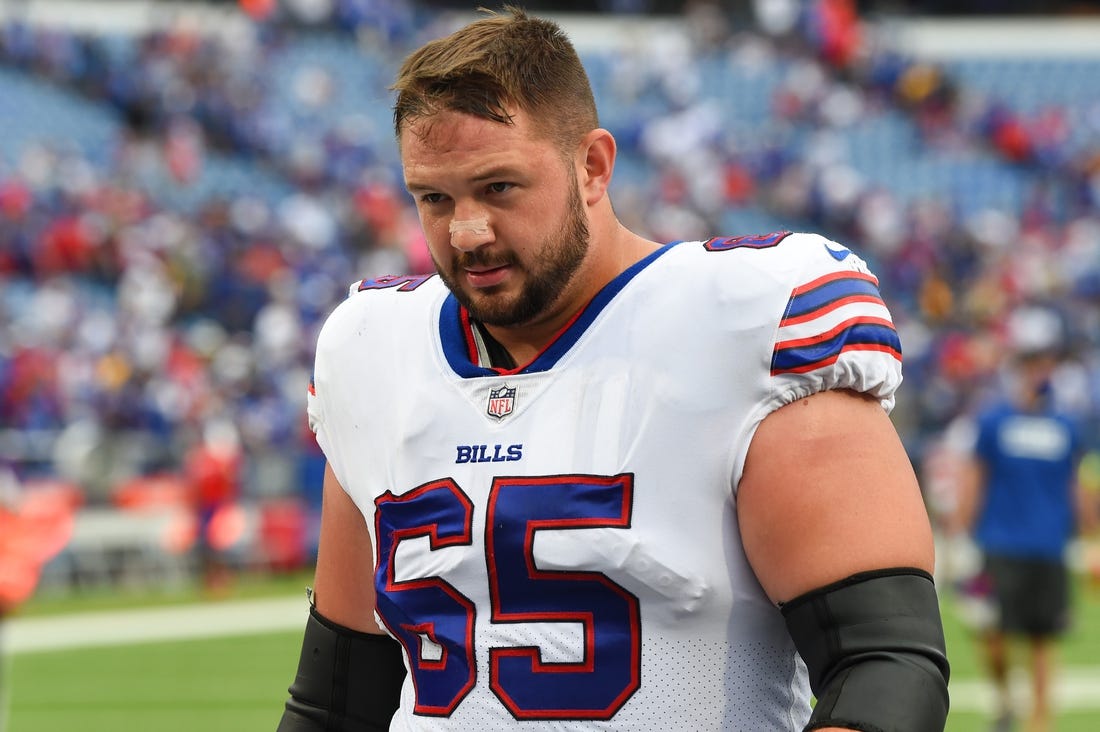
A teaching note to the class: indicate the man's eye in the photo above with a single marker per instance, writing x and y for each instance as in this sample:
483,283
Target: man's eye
499,187
431,198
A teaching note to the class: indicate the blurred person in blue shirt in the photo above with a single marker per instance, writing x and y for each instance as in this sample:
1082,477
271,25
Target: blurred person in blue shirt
1021,502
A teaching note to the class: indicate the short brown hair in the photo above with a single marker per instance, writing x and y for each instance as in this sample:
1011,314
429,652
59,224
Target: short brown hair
495,64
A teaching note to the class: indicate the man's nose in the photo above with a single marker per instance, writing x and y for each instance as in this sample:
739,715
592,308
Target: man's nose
469,234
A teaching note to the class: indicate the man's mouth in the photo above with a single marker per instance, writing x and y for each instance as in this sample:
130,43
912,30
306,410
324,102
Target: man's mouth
483,277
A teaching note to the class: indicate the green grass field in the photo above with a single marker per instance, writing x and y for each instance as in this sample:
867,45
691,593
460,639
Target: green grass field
215,685
238,684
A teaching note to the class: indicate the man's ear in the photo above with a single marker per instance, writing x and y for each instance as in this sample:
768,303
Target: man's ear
596,164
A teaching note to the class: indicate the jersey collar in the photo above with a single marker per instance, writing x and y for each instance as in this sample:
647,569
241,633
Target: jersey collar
460,347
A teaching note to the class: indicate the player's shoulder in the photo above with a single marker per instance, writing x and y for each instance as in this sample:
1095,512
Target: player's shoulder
384,301
995,411
782,250
394,286
816,303
391,291
782,260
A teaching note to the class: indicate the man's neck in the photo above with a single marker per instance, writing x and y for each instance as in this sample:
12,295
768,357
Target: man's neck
521,345
490,351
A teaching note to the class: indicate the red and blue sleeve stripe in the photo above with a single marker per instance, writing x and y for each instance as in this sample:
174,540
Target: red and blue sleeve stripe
839,313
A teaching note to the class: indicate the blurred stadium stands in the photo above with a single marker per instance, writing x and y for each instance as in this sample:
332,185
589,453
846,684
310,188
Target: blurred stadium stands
184,194
32,112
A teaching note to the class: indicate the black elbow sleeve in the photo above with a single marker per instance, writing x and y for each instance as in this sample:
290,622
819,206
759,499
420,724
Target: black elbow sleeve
346,681
875,651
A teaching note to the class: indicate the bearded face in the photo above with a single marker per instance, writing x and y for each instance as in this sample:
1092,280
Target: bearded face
535,283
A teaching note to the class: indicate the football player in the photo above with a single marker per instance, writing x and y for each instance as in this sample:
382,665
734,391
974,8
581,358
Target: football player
579,480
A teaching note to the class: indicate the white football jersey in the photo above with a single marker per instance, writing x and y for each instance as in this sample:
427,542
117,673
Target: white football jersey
558,543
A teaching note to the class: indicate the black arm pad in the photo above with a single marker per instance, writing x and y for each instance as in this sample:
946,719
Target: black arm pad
874,647
347,681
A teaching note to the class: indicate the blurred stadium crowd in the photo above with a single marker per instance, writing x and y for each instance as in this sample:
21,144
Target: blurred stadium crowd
181,207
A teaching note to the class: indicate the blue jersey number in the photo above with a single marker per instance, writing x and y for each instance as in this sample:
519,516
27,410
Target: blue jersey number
594,687
428,608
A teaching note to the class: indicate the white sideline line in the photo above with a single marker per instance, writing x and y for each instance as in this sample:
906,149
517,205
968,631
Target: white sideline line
119,627
1077,687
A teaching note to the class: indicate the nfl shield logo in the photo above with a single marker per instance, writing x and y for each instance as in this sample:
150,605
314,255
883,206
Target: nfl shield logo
501,401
